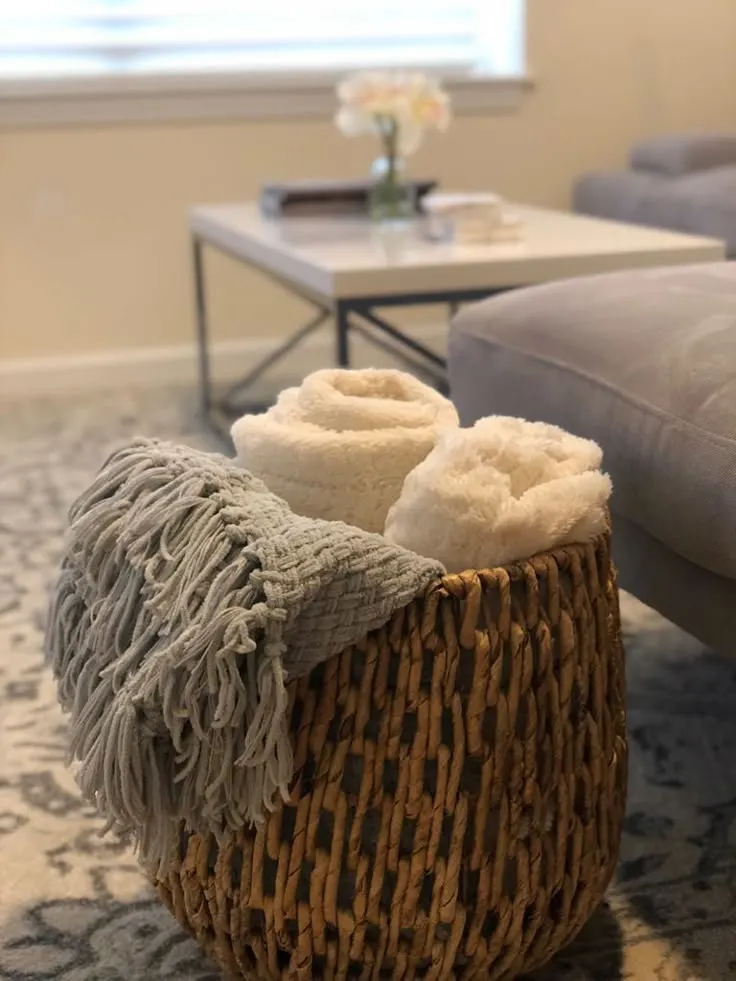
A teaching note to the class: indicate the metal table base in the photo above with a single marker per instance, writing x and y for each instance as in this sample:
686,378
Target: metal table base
350,316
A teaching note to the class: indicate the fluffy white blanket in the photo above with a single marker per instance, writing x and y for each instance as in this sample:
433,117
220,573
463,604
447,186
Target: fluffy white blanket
339,446
501,491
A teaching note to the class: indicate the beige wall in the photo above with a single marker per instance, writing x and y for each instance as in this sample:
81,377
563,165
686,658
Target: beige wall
93,240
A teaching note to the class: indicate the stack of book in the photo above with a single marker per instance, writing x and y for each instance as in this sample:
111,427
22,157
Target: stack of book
470,218
315,198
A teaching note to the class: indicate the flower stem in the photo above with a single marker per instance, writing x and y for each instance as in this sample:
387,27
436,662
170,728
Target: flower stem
390,141
387,196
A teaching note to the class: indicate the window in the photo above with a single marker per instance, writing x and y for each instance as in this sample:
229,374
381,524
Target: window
95,46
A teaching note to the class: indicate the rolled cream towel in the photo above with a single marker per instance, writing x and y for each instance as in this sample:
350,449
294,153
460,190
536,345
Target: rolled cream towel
339,446
501,491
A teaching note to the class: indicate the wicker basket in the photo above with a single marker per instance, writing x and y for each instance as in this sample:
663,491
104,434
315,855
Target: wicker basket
460,791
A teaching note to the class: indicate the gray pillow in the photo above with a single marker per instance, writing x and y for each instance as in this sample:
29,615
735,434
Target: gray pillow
678,154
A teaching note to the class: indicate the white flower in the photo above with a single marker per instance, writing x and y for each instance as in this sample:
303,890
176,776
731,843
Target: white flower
400,105
353,121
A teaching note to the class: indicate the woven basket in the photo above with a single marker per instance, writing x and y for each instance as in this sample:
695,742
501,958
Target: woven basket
461,783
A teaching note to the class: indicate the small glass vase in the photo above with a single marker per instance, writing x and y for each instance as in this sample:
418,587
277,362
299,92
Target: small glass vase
391,198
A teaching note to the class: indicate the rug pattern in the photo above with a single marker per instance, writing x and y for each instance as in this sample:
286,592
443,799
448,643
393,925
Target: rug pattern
75,907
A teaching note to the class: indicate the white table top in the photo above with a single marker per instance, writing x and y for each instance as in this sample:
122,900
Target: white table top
341,258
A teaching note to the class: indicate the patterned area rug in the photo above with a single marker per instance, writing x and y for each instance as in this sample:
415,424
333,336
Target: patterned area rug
74,907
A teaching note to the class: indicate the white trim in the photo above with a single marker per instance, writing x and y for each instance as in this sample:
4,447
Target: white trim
177,365
138,98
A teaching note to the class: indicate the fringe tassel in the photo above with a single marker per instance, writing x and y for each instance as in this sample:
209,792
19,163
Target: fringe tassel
183,582
168,658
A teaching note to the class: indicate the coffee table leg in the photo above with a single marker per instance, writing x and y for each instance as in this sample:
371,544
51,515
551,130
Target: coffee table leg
342,323
203,354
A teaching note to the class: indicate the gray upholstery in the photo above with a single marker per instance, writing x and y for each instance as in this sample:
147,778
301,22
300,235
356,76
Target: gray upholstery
702,203
693,598
683,153
644,363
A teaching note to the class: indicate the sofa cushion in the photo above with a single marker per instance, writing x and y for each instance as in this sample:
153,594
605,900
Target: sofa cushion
642,362
683,153
702,203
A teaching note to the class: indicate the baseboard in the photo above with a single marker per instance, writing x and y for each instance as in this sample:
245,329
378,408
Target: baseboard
177,365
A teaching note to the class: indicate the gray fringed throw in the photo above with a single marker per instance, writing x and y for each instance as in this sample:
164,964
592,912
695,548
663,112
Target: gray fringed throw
188,595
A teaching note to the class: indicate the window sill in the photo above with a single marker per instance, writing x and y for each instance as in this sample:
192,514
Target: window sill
132,99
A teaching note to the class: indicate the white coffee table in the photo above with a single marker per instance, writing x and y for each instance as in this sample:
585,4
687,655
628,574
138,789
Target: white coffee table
348,269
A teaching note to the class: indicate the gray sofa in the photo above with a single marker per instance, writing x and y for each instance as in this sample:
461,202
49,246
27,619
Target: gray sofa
686,183
645,364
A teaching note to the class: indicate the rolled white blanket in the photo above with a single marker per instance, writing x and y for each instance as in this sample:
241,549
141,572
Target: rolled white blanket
339,446
503,490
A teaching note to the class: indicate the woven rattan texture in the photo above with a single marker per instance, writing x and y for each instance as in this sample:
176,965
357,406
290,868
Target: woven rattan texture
460,792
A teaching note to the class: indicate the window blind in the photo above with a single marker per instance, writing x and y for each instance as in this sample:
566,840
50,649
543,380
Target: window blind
48,38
